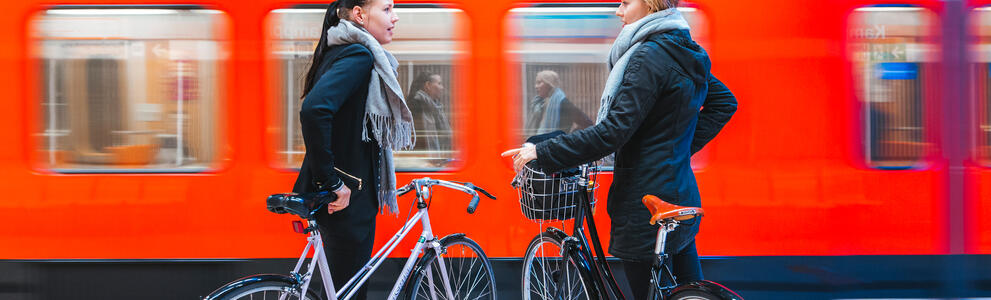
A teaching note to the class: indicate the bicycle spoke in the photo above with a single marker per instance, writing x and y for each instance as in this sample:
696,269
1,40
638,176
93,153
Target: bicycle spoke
468,274
549,275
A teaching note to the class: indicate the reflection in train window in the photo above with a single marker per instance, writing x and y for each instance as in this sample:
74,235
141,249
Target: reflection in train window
125,90
981,72
560,57
427,45
892,51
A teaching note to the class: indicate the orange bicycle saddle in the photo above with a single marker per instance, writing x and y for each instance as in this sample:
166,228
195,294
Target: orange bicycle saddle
660,210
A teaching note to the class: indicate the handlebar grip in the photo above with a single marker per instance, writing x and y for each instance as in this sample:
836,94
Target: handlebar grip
473,205
403,190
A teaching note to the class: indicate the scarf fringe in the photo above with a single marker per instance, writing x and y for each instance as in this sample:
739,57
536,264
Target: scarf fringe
390,203
401,136
387,119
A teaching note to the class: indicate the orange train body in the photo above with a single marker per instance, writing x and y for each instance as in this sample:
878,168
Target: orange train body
785,177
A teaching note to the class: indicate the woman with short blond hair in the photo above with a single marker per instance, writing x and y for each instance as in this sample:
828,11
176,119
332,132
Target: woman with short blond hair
660,105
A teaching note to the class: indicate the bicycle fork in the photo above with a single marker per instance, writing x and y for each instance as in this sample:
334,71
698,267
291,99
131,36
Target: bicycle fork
427,240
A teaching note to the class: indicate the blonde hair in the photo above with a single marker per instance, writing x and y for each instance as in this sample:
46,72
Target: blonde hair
659,5
550,77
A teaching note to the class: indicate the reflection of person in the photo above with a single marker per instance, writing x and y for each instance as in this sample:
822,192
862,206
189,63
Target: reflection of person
429,115
650,117
353,105
550,110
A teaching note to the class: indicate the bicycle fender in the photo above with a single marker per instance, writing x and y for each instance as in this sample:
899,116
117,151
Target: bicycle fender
708,286
556,233
451,236
246,281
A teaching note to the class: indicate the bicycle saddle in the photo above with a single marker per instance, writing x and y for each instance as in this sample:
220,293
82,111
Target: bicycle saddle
302,205
660,210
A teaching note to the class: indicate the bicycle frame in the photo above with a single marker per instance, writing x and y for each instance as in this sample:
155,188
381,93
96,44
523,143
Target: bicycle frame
575,247
597,267
577,242
319,260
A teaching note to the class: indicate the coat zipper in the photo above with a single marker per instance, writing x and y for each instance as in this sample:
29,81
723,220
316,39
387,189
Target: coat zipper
355,178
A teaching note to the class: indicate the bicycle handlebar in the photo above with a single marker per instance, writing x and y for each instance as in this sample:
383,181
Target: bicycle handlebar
467,188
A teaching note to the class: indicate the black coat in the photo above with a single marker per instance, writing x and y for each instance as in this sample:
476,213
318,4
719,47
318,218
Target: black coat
654,126
331,117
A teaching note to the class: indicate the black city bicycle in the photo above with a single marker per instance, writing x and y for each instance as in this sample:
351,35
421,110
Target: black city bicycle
561,266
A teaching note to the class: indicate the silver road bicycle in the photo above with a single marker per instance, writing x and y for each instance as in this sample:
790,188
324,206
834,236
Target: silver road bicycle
452,267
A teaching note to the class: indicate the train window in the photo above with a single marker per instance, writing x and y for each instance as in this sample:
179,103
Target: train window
427,44
893,52
129,89
560,55
981,72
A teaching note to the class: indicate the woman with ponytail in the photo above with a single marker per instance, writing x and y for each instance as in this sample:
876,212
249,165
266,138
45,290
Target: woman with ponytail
353,116
660,105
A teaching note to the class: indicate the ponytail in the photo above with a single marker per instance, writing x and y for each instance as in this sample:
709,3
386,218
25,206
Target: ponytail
330,19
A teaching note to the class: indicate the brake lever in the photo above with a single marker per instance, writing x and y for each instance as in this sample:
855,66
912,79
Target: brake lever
477,188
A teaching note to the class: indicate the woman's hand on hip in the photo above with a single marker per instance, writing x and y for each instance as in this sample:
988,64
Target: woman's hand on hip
521,155
343,199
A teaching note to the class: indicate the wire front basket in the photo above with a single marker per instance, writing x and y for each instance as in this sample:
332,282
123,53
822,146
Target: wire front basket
555,196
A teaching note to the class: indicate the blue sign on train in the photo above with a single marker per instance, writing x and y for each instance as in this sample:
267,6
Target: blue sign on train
898,70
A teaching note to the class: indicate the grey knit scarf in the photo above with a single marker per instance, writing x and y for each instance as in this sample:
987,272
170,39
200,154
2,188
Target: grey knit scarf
387,118
629,39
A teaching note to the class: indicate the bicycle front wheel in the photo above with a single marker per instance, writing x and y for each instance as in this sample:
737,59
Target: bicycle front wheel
460,271
265,290
546,277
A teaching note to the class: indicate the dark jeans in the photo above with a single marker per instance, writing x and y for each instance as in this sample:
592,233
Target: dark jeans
348,248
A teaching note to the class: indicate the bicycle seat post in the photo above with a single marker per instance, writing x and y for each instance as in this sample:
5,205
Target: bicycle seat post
662,235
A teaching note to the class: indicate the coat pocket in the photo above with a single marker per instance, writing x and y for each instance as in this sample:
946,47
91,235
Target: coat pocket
353,178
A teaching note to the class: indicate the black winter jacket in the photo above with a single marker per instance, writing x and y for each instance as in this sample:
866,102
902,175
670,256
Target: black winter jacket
654,126
331,117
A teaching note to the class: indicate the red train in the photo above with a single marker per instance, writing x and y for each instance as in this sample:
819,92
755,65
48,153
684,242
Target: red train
149,132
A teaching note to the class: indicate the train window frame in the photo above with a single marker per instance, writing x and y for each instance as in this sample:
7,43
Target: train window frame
517,79
980,77
921,59
458,62
217,46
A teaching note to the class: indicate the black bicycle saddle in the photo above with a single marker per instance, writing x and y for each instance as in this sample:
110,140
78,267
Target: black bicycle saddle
303,205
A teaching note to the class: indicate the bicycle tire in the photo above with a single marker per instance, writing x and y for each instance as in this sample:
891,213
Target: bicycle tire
459,252
542,284
694,294
262,290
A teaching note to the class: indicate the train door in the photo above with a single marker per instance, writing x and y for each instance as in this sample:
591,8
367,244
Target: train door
978,171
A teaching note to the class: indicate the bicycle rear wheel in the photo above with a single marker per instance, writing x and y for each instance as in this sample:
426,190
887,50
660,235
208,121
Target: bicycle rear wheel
468,271
543,276
265,290
694,294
